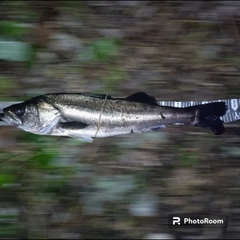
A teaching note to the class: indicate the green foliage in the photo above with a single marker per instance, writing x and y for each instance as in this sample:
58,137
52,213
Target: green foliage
101,50
43,152
11,49
104,49
6,179
8,230
43,159
9,29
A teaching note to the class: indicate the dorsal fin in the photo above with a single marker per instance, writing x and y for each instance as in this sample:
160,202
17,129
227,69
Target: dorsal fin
142,98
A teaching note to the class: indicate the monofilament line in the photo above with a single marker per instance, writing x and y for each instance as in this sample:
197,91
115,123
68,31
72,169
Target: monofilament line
100,116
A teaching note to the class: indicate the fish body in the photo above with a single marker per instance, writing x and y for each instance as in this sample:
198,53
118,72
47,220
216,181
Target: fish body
85,116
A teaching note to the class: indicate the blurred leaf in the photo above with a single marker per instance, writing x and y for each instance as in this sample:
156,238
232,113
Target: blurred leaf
99,50
104,49
15,51
43,159
47,143
6,179
11,29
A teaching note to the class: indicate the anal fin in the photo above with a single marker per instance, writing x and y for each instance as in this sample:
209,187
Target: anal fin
158,127
81,137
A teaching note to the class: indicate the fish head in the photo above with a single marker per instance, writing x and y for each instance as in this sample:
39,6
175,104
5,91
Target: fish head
36,117
16,114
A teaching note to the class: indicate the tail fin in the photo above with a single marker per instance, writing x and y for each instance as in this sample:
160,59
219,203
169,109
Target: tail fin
208,116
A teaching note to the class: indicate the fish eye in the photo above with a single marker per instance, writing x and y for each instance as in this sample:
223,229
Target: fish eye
19,111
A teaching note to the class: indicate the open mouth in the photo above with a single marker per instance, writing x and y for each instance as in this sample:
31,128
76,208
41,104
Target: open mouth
1,116
10,118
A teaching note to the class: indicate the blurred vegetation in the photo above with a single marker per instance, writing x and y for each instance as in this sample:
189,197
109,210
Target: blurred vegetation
123,186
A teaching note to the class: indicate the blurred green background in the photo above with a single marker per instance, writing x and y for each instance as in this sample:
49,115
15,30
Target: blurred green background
123,186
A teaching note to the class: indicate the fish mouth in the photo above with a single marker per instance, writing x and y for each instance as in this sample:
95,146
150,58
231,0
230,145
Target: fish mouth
11,118
1,116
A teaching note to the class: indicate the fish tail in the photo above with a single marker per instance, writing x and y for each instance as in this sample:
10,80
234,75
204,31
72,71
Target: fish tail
208,116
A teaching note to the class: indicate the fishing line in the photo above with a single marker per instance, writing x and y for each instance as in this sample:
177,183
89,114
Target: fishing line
100,116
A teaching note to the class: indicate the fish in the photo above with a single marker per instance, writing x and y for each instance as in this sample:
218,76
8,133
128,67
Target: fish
86,116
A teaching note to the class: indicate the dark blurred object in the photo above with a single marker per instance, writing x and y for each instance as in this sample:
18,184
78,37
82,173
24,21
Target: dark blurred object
48,9
48,12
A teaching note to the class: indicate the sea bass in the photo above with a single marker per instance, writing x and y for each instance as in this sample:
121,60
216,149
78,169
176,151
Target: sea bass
85,116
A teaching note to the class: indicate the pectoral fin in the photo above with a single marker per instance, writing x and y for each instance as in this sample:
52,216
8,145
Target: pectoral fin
49,128
73,128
